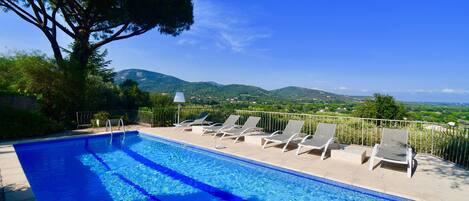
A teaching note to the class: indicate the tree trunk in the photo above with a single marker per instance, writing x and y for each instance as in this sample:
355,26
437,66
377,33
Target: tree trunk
77,71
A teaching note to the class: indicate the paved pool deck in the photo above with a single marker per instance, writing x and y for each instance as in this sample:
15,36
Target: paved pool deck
14,185
433,178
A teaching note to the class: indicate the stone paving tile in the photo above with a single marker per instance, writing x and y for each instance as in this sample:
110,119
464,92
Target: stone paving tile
9,163
9,171
15,183
433,179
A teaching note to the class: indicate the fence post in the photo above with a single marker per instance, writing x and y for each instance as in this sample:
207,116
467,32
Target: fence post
432,141
78,121
363,134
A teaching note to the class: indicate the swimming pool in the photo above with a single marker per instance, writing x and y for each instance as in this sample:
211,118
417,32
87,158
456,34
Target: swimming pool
144,167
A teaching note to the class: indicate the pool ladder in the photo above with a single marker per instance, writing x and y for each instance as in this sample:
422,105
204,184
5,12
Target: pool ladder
120,122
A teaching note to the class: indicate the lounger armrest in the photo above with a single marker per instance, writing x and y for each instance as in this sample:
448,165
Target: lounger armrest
186,121
330,141
227,127
305,138
247,130
293,136
215,124
276,133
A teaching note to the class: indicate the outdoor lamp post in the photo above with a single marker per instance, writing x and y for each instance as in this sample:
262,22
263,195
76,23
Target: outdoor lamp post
179,98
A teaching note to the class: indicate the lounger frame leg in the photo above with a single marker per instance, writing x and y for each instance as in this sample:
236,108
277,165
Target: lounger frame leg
285,147
372,157
288,142
323,155
222,136
236,140
409,163
265,143
299,149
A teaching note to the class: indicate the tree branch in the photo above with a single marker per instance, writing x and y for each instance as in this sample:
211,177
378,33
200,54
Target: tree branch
117,36
106,27
54,14
44,11
67,16
36,9
20,12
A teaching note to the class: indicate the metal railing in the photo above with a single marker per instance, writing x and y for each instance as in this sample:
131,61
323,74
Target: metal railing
450,143
84,118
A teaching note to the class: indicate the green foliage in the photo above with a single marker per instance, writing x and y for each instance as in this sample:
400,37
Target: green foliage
101,95
381,107
37,76
99,66
132,96
92,24
102,117
160,100
17,123
439,112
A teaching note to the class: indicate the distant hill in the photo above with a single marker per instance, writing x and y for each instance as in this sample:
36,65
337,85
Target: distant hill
304,94
157,82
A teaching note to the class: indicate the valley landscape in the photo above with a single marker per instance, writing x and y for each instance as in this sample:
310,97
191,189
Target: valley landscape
288,99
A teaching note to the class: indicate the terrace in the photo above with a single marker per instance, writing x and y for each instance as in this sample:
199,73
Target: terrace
440,174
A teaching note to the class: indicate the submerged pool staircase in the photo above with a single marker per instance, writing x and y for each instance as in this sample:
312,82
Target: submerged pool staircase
120,123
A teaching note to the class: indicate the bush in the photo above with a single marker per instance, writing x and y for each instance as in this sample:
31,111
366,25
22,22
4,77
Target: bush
20,123
381,107
102,117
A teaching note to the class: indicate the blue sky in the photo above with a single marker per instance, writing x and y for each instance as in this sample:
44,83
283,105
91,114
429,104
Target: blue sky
414,50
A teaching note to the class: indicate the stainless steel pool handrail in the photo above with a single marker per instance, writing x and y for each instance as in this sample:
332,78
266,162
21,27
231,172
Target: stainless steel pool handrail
120,123
109,125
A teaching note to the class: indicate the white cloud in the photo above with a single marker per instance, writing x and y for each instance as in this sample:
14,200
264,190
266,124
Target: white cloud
186,41
448,90
225,29
430,91
343,88
455,91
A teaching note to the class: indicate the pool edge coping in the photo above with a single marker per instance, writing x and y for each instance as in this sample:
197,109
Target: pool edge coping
210,149
17,164
282,167
23,190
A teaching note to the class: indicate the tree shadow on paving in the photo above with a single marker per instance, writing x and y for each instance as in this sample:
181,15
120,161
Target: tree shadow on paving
16,192
458,175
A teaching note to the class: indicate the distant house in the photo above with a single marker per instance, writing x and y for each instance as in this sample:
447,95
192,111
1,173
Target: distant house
435,127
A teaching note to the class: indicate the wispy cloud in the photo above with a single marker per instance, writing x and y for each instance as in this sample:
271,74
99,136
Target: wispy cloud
448,90
222,28
430,91
343,88
187,41
455,91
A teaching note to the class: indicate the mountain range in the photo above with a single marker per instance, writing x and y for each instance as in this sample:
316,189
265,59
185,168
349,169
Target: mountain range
157,82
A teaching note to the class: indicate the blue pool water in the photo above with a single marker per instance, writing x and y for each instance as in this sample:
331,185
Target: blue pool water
144,167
